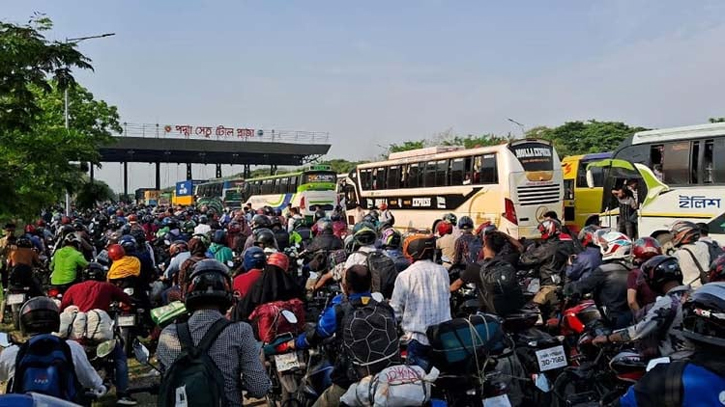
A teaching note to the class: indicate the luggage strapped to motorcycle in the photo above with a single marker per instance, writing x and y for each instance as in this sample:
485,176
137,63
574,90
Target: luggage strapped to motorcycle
375,381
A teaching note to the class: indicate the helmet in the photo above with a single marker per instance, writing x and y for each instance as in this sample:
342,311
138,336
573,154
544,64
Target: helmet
370,218
132,218
189,226
717,269
24,242
148,219
219,236
116,252
614,245
275,221
645,248
660,270
179,246
209,282
450,218
298,223
72,239
324,224
95,271
128,242
364,235
419,246
203,219
30,229
587,236
465,223
139,235
444,228
40,315
277,212
260,221
391,238
170,222
278,260
703,315
549,228
264,237
254,258
684,232
78,225
65,220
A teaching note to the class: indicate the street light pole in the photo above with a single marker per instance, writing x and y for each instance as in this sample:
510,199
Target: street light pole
523,131
65,100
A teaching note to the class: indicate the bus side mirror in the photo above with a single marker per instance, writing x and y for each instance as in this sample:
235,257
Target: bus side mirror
590,178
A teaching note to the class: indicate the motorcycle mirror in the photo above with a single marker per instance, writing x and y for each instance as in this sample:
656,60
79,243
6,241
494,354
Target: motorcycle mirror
378,297
105,348
289,316
141,352
4,340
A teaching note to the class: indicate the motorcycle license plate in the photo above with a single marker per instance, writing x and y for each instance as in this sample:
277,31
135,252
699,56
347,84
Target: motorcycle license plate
14,299
498,401
287,361
127,320
552,358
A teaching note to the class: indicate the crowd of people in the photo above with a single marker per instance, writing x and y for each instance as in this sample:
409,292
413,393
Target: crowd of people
662,296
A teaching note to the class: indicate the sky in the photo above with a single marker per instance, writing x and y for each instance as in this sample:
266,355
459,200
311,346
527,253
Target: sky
379,72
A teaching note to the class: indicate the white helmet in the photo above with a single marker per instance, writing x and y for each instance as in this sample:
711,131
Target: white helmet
615,245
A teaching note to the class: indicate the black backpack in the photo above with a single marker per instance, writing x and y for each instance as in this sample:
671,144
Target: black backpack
45,365
369,336
714,249
383,270
194,379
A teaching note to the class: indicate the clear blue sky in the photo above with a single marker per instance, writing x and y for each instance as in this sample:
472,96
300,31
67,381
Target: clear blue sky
377,72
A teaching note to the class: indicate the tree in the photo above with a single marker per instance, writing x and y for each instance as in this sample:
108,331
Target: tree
35,148
579,137
89,194
341,166
406,146
717,120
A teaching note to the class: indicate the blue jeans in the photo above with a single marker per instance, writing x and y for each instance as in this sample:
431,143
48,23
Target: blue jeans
121,364
418,354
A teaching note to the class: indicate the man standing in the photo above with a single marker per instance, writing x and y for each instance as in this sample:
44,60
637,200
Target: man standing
421,296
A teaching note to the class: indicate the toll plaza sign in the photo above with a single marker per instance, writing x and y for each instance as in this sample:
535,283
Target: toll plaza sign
220,131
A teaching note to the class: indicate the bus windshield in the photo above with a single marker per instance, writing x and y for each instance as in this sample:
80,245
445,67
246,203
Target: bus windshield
319,176
533,156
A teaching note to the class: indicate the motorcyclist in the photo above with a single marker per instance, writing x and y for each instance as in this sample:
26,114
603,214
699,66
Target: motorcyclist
664,319
66,263
21,260
550,257
254,262
221,253
467,246
608,282
584,263
275,284
281,236
259,222
203,227
717,270
391,242
639,295
96,293
235,351
325,240
364,236
699,381
301,234
130,247
693,255
446,243
264,239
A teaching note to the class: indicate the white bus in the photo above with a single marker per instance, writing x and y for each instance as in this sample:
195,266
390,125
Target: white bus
510,185
679,179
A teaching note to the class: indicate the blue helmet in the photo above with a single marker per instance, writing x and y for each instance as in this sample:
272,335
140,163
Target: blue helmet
128,243
254,258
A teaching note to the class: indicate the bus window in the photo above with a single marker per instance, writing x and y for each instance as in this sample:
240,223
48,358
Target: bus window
441,173
283,184
293,184
581,175
366,177
429,177
676,163
708,174
393,177
489,172
694,167
275,186
414,176
457,169
380,178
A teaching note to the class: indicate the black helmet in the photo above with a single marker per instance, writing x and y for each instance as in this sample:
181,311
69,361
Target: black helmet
465,222
219,237
95,271
260,221
277,212
40,315
264,237
208,283
703,315
324,225
660,270
24,242
72,239
139,235
419,246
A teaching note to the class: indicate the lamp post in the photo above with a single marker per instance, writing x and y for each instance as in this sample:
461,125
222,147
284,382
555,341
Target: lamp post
65,100
523,132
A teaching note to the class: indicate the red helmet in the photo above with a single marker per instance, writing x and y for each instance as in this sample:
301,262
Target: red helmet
116,252
40,223
65,220
119,212
278,259
587,236
30,229
444,228
549,228
717,269
132,218
645,248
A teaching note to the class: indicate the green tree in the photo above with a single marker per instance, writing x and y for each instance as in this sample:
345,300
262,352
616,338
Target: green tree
406,146
342,166
35,148
717,120
89,194
579,137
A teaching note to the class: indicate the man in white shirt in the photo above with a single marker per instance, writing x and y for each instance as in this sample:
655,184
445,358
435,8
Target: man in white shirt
202,228
692,255
421,297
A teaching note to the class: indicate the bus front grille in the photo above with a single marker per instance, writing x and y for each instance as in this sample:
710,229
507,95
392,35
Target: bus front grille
537,194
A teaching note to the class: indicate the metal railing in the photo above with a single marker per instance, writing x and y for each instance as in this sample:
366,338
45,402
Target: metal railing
221,133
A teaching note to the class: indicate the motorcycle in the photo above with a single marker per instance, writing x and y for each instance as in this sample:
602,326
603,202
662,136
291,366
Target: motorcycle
17,295
126,322
285,367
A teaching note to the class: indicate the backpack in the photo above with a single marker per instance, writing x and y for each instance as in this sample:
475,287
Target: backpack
475,246
457,345
383,270
369,336
194,379
714,249
45,365
268,322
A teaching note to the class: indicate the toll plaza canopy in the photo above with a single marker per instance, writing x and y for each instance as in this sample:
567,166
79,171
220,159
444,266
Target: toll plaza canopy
154,143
